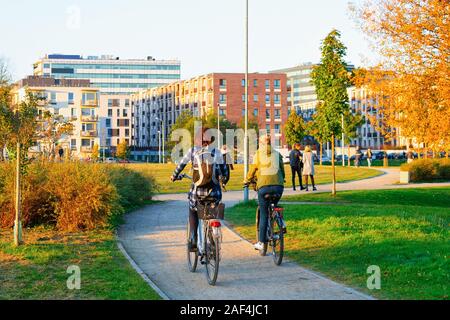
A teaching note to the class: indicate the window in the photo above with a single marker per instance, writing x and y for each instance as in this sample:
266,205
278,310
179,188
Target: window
109,112
255,112
108,123
53,97
255,97
127,132
118,112
277,114
267,98
277,99
125,112
276,83
268,127
243,112
222,112
255,83
108,142
223,83
73,144
243,82
277,128
70,97
73,112
267,114
243,98
267,84
223,98
85,142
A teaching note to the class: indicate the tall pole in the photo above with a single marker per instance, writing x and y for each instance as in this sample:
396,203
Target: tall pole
159,146
18,222
342,143
163,139
218,126
246,103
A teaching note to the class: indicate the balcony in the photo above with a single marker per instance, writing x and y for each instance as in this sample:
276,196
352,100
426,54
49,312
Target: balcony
89,103
89,118
89,133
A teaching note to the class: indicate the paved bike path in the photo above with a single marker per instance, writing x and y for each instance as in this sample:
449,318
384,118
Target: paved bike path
155,238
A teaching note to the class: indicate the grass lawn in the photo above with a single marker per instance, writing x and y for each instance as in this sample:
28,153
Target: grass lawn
405,232
37,270
162,173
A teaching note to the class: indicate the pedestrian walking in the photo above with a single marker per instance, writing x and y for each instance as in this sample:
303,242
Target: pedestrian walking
308,167
295,160
369,157
357,157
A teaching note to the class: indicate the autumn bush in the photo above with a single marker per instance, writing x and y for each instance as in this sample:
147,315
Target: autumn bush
72,196
428,169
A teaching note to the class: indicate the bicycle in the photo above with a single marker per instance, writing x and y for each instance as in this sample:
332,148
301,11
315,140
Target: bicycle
209,237
276,228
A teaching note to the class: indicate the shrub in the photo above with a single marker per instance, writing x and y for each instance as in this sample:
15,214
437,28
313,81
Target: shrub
72,196
428,169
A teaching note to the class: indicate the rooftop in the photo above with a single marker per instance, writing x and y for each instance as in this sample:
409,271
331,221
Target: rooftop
38,81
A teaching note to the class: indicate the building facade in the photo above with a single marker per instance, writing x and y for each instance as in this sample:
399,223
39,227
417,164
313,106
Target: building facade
111,75
154,111
114,121
302,97
71,100
368,136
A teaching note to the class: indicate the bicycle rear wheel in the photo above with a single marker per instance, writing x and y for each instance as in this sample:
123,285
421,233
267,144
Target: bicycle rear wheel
264,251
212,256
277,240
192,257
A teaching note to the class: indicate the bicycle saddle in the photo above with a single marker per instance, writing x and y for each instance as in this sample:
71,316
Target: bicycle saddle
272,197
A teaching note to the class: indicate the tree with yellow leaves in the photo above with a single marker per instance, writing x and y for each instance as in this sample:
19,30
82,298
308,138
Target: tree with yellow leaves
412,83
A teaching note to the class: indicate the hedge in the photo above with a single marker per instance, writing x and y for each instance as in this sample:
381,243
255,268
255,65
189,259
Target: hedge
428,170
72,196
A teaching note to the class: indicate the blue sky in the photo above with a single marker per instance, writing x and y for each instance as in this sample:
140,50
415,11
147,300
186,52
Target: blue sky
206,35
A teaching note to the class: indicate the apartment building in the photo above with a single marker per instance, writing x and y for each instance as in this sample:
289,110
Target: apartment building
302,97
110,74
363,103
74,101
156,110
114,121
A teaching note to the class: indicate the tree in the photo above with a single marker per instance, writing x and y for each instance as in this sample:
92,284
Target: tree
122,150
95,153
412,82
351,125
331,80
18,124
294,129
5,76
318,129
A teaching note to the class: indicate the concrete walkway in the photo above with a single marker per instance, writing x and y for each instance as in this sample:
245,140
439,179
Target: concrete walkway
155,236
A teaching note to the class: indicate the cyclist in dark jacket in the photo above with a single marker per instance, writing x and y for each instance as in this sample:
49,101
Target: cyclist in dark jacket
214,190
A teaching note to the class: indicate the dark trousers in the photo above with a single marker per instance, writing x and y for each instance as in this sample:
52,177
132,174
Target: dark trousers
264,208
312,181
193,222
298,171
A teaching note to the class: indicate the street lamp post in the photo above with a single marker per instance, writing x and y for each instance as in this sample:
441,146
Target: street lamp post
159,146
246,103
218,126
342,143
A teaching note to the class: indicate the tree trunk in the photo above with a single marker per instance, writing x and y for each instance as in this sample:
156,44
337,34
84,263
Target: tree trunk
349,162
333,167
321,153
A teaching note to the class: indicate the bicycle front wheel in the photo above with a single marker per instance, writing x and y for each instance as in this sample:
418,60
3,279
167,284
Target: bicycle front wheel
277,241
212,256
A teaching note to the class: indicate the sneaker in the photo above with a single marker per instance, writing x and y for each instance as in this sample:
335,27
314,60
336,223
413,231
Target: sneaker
302,188
306,189
314,189
259,246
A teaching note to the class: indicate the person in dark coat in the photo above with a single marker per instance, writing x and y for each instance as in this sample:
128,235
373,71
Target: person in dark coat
295,160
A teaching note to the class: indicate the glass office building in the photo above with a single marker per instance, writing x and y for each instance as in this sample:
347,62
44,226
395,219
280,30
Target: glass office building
111,75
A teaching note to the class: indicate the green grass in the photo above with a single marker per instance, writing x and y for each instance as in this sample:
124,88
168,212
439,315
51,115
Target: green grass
162,173
405,232
37,270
